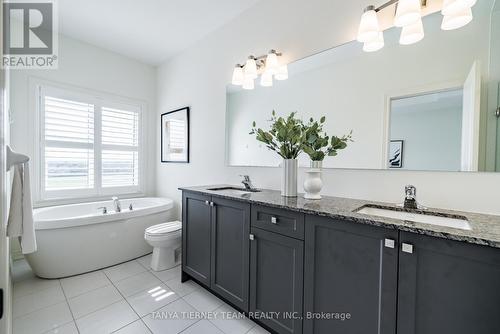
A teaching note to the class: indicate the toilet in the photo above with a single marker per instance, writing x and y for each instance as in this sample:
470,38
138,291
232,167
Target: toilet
166,241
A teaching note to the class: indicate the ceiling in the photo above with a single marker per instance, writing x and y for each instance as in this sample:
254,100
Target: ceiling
150,31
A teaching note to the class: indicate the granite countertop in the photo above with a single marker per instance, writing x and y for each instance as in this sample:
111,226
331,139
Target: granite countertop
485,229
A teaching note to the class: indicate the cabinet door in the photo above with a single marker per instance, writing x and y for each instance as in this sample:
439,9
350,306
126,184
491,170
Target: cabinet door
447,287
231,250
276,280
196,229
349,268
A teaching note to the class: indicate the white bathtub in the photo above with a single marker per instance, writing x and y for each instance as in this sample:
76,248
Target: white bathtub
78,238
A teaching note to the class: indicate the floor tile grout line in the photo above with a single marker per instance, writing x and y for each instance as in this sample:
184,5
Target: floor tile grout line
185,329
69,307
109,278
141,317
34,292
130,305
38,309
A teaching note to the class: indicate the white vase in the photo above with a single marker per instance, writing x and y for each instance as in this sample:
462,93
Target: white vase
313,184
289,177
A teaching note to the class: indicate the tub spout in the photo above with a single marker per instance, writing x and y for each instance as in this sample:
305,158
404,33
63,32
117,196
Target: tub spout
116,204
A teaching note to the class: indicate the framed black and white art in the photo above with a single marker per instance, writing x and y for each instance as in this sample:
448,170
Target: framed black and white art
175,136
396,154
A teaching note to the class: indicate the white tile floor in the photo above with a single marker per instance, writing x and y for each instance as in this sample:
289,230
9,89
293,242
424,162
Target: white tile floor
120,299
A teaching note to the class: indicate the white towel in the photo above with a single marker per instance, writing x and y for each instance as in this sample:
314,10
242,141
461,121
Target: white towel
20,222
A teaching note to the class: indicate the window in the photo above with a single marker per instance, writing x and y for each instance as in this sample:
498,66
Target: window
89,145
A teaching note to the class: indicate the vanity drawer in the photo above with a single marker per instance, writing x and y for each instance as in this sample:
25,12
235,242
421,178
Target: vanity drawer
284,222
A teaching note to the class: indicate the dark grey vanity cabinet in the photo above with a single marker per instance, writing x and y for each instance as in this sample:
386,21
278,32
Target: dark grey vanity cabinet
305,273
196,230
230,250
276,280
447,287
349,268
215,245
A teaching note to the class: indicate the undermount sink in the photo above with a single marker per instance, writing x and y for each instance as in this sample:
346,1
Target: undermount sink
424,218
235,190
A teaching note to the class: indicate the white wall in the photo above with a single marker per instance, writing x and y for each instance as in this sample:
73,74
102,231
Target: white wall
91,68
198,78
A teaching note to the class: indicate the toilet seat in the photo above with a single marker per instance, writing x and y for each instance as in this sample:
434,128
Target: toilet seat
164,229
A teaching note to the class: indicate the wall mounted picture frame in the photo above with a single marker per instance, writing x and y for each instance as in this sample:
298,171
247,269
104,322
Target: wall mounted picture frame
175,136
396,150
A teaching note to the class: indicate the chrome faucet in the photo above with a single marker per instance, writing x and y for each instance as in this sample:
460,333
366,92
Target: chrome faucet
116,204
410,197
247,183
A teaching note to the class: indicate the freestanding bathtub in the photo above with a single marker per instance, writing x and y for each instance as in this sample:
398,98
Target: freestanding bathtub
78,238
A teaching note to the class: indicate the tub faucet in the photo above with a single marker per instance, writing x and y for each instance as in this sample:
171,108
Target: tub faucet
410,197
116,204
247,183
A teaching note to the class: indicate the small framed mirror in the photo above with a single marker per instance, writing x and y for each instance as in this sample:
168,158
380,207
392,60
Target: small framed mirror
175,136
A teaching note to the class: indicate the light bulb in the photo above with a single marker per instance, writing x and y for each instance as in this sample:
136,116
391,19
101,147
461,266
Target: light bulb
374,45
248,83
238,75
457,20
282,73
272,62
412,34
408,12
251,68
266,80
369,26
452,7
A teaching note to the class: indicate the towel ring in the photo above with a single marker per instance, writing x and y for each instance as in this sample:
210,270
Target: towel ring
14,158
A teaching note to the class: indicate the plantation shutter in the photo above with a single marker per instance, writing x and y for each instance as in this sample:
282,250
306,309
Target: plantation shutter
68,134
120,148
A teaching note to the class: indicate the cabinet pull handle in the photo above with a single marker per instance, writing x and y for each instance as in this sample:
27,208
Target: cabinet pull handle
407,248
251,237
207,203
212,204
389,243
274,220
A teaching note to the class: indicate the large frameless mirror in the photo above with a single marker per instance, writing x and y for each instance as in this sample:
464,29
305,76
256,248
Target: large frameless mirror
426,106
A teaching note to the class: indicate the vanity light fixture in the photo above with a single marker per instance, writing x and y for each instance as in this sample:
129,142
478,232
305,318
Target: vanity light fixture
374,45
238,75
267,65
412,34
408,13
456,14
369,28
266,79
251,68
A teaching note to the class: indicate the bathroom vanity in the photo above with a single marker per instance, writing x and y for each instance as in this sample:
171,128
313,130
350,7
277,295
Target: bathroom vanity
326,268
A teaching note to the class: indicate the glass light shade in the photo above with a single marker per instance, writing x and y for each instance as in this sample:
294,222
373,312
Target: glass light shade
248,83
374,45
251,68
368,27
238,76
453,7
272,62
408,12
457,20
266,80
282,73
412,34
